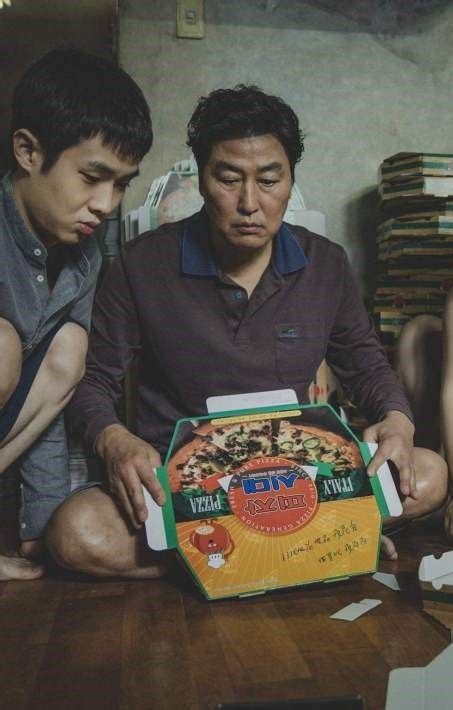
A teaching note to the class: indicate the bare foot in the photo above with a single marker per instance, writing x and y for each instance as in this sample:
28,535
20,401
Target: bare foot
149,572
19,568
388,548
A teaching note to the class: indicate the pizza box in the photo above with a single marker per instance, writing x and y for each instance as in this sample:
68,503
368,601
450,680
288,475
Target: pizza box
263,498
415,164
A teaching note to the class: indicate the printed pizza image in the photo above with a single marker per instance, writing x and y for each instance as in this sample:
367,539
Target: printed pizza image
242,441
194,463
306,444
218,451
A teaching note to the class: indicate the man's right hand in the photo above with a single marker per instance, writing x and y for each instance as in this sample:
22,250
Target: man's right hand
130,462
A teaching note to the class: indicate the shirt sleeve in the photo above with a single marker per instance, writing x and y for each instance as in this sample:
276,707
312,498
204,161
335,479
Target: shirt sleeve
114,341
357,358
82,307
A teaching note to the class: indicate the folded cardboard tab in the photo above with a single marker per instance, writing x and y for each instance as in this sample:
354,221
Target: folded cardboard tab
422,688
435,575
268,497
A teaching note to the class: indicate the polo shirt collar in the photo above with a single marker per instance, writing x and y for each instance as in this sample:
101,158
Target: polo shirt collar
197,258
32,247
28,243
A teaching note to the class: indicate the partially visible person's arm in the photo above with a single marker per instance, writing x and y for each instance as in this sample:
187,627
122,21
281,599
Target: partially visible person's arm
114,341
360,363
446,402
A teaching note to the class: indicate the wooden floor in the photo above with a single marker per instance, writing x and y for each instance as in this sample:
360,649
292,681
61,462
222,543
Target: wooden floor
67,643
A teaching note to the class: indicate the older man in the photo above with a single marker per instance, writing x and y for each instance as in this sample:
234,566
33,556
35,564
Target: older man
230,300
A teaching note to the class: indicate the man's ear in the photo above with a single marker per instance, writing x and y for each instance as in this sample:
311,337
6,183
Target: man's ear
27,150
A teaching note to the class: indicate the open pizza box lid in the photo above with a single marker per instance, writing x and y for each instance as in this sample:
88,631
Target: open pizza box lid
263,497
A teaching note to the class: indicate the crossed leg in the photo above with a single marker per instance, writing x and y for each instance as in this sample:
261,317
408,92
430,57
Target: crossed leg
59,372
89,534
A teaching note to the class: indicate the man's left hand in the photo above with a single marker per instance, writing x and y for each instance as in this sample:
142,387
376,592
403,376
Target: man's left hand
395,438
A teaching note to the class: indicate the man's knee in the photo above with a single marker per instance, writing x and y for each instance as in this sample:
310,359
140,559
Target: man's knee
65,359
74,536
11,360
417,330
87,534
432,480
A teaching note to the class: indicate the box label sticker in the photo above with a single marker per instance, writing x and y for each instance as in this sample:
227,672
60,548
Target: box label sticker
273,495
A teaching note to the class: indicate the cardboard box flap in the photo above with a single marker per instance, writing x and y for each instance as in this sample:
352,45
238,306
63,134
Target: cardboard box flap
437,570
160,525
420,688
382,484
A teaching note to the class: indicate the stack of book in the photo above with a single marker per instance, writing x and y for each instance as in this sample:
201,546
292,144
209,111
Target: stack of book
414,240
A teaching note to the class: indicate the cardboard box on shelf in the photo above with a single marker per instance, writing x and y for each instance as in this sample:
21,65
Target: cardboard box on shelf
270,497
416,164
419,187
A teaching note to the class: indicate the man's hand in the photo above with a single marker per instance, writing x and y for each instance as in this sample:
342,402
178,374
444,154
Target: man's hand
130,462
395,438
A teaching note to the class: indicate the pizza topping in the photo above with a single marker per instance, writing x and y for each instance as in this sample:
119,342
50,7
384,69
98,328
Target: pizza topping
243,441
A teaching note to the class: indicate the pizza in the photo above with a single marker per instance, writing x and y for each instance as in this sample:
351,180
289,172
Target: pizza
217,451
308,444
194,463
242,440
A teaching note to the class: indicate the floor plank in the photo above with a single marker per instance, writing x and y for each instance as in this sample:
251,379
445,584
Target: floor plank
78,644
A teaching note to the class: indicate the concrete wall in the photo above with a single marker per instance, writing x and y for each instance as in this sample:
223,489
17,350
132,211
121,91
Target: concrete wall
29,29
367,79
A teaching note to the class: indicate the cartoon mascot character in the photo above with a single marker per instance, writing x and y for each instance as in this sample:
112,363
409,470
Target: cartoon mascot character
213,540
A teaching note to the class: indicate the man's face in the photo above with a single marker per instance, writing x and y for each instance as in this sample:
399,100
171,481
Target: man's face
65,204
246,185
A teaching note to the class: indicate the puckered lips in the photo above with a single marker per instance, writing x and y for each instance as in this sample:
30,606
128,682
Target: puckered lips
87,228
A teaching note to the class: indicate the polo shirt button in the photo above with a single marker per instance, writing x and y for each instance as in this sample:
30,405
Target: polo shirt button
40,278
37,252
239,295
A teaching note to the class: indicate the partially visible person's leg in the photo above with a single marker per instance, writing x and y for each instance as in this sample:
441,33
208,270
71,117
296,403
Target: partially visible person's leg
11,566
88,534
419,358
45,387
432,488
59,373
11,360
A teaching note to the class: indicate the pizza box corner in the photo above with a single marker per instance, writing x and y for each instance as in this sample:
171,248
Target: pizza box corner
267,497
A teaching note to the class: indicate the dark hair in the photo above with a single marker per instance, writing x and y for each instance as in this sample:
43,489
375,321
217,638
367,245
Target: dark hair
242,112
68,96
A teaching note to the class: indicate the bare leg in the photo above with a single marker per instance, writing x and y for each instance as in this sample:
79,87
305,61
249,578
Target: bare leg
11,566
88,534
419,358
11,360
57,377
60,372
432,487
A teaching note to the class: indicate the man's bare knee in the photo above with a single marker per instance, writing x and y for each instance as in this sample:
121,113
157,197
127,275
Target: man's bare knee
65,359
76,536
88,534
432,483
11,360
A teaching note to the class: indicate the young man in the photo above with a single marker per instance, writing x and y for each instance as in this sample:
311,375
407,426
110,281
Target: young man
80,127
230,300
